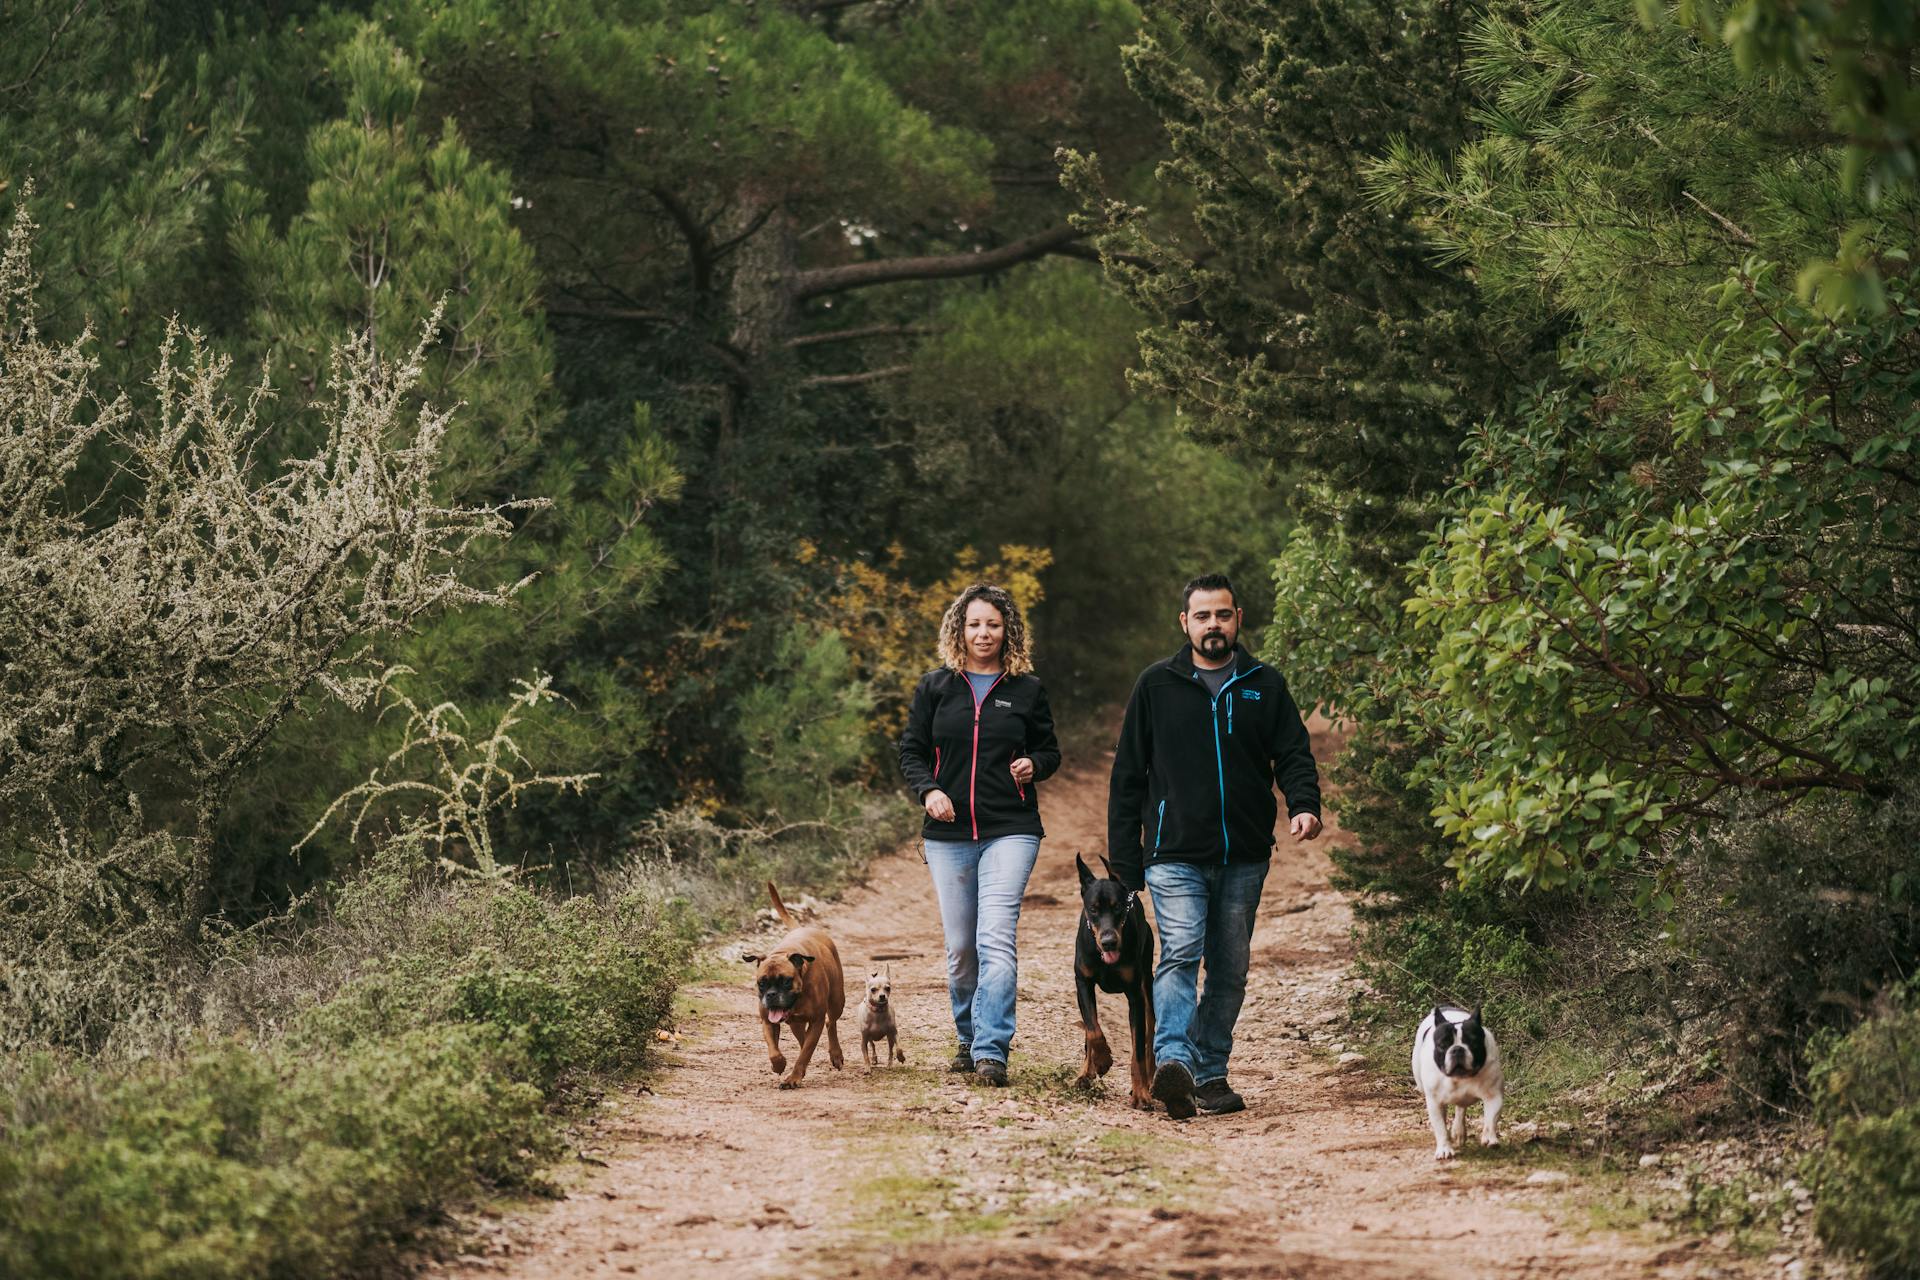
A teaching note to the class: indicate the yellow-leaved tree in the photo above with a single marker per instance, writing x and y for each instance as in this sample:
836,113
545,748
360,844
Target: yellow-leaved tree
891,626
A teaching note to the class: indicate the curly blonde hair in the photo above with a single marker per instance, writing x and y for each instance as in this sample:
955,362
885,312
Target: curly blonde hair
1013,649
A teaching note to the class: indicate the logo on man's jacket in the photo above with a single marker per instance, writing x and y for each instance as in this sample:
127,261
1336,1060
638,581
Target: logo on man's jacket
1001,702
1251,695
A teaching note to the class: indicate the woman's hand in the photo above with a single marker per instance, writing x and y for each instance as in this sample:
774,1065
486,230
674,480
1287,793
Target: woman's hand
939,808
1022,770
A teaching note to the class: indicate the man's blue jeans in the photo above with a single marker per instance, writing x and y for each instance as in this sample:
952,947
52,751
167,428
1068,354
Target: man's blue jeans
980,884
1201,912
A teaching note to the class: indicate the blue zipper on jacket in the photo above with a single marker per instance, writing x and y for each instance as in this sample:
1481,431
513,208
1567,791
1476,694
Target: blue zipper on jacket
1219,764
1161,829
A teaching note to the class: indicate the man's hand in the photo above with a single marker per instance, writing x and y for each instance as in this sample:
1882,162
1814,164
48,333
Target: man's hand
1022,770
939,808
1304,826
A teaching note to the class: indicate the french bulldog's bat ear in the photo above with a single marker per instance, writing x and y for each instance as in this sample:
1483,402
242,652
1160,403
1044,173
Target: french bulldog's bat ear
799,958
1086,876
1474,1021
1439,1017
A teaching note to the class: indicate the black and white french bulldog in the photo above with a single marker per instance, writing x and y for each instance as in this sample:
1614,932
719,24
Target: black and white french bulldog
1456,1062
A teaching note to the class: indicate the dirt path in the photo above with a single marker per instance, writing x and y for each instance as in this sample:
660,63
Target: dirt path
910,1171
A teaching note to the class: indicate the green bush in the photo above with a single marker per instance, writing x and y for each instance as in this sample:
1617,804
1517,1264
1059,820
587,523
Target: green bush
804,728
1787,925
241,1162
714,870
1867,1093
1784,924
581,983
1414,962
436,1025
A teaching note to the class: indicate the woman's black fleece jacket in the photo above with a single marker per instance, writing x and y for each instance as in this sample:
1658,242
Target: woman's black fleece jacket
951,745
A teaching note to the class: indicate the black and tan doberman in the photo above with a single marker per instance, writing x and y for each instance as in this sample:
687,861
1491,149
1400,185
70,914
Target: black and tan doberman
1114,952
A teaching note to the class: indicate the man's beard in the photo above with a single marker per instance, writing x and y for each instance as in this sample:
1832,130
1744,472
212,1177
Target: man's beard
1215,645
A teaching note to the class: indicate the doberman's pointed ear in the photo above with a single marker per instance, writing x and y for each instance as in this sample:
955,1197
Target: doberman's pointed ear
1108,866
799,958
1086,876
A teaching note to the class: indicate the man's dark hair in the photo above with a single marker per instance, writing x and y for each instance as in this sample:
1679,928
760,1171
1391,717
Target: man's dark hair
1208,582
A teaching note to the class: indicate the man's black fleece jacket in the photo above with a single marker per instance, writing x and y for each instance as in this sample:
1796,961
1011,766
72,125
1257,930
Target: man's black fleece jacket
964,749
1193,775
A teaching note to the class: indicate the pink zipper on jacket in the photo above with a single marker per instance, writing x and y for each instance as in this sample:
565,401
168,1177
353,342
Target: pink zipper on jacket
973,778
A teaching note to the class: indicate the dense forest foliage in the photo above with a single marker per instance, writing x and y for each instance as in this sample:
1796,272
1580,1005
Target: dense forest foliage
477,478
1585,334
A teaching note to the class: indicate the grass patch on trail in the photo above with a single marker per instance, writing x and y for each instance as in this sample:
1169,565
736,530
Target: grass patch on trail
1133,1142
909,1207
1052,1083
916,1200
1022,1159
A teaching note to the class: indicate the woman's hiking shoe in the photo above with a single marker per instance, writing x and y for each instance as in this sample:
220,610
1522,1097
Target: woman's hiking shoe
1173,1085
962,1060
991,1072
1217,1099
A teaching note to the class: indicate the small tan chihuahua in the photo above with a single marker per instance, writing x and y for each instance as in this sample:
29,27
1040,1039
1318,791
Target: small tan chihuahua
876,1021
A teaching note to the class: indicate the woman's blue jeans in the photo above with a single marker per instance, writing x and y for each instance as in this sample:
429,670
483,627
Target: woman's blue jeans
980,884
1201,913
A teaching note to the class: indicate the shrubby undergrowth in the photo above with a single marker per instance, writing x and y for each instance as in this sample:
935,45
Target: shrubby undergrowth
308,1102
310,1093
336,1085
1867,1092
1785,928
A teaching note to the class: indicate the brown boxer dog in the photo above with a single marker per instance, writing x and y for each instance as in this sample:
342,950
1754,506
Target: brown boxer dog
800,985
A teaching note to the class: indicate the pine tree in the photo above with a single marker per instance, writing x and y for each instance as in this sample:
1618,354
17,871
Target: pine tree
400,217
1295,319
753,218
1862,58
1621,170
770,203
1668,578
128,132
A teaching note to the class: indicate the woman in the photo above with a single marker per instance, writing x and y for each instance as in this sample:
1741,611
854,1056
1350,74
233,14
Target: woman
979,737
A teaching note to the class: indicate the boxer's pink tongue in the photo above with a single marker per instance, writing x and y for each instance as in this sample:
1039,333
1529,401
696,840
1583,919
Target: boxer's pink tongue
775,1015
1111,957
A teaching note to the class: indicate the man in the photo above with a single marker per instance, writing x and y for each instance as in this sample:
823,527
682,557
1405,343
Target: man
1190,818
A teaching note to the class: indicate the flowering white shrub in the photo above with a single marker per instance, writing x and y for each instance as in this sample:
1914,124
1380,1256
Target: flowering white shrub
166,601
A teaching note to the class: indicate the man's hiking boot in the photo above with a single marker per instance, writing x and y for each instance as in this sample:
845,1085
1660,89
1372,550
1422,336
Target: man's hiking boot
962,1060
991,1072
1217,1099
1173,1085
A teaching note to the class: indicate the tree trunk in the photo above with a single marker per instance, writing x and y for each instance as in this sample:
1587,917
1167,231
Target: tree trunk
762,299
764,314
